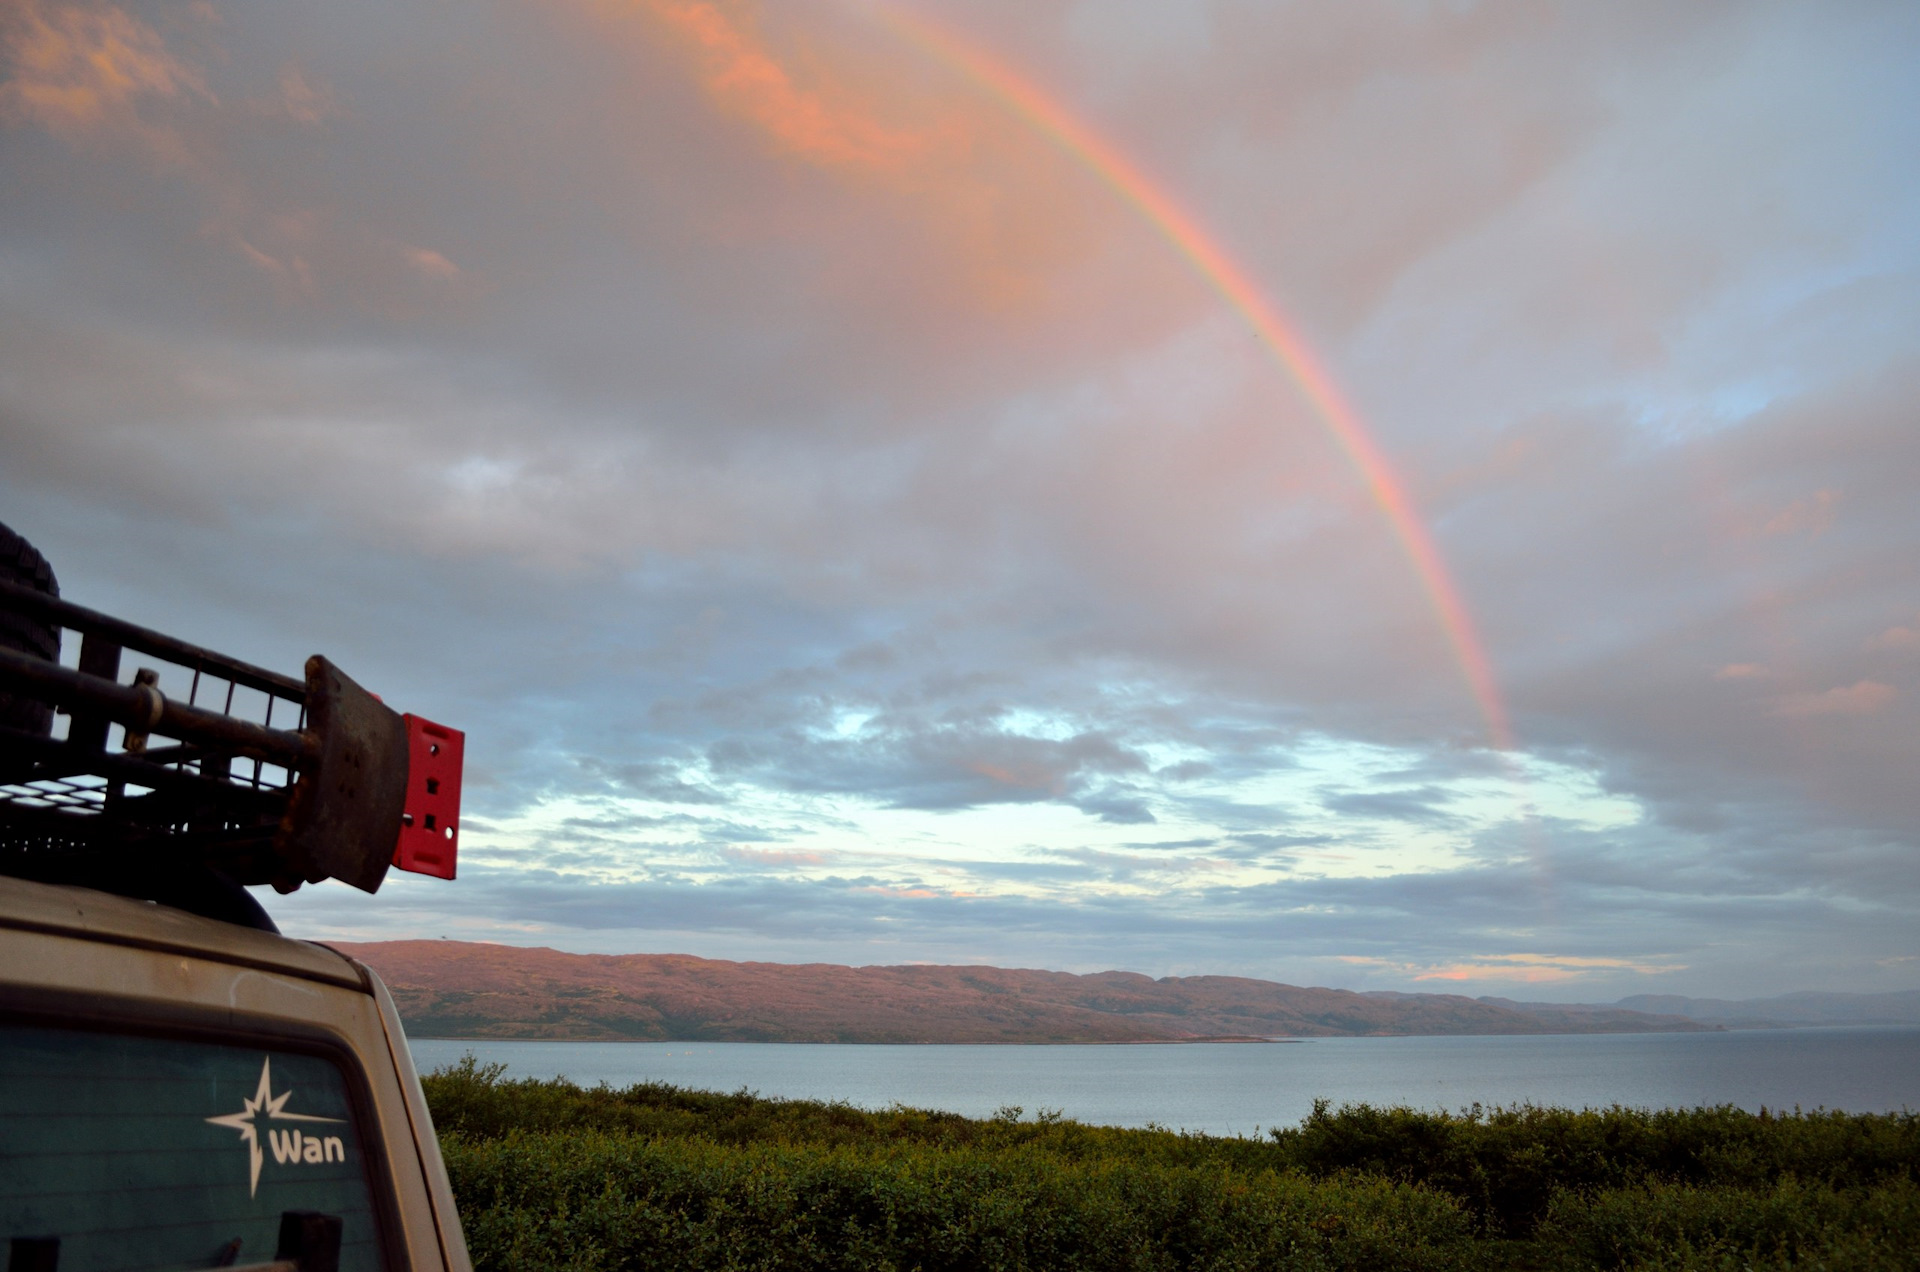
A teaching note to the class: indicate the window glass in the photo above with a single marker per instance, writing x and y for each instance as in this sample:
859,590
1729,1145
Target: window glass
164,1153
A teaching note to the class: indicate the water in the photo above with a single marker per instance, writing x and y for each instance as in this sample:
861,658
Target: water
1241,1088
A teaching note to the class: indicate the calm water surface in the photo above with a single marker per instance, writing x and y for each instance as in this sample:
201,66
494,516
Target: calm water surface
1238,1088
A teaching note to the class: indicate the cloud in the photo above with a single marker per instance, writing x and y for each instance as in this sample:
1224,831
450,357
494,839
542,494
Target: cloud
939,765
744,78
1117,807
764,857
309,102
759,440
916,165
1419,804
1863,697
1527,969
80,71
1674,924
430,263
1811,515
660,781
1896,638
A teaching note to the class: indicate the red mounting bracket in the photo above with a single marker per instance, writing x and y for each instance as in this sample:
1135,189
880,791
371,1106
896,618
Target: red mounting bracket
430,827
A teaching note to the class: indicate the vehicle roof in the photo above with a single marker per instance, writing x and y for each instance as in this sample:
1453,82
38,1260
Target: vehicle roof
101,916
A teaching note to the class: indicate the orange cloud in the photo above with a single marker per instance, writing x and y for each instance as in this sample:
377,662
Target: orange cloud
1860,698
430,263
1896,638
306,102
982,211
98,74
744,78
1741,671
881,890
1026,777
1811,515
77,71
1527,968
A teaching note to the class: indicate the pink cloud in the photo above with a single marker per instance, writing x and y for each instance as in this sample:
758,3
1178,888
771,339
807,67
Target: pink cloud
1896,638
1811,515
305,101
1864,697
743,77
1525,968
431,263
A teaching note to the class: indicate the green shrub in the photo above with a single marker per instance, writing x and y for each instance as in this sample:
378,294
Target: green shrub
551,1176
1506,1164
1787,1224
589,1199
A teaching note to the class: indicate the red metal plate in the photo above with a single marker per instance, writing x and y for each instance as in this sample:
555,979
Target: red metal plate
430,827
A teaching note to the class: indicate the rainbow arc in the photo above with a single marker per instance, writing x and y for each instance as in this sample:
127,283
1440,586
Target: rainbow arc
1281,338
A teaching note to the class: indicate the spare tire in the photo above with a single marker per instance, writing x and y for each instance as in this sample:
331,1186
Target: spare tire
20,563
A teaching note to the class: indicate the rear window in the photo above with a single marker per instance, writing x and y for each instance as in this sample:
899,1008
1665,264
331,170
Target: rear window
140,1152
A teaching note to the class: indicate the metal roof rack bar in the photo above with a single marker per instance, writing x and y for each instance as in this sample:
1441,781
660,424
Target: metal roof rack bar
131,636
146,709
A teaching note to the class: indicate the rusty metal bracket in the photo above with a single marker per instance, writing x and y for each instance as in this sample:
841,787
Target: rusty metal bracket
345,813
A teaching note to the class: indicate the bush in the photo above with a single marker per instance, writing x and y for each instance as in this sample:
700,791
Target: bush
1789,1224
551,1176
587,1199
1505,1165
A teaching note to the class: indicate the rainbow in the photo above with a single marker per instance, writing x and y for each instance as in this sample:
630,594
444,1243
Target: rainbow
1201,250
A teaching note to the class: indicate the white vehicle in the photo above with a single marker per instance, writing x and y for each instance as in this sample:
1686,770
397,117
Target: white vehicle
181,1086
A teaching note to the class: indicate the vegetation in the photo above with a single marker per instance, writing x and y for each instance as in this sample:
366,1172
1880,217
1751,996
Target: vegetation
551,1176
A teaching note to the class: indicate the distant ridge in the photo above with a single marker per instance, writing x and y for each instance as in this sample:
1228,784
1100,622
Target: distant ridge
456,989
1901,1008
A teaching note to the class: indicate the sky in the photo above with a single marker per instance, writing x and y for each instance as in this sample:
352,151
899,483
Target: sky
1391,494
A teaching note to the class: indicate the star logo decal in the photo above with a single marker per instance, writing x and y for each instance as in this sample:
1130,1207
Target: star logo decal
264,1102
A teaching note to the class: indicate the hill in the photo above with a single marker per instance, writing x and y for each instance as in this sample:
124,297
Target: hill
1899,1008
455,989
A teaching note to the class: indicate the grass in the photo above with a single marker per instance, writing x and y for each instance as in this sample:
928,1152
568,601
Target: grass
551,1176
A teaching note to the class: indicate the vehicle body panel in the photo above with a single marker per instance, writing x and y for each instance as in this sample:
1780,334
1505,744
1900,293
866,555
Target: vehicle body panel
74,957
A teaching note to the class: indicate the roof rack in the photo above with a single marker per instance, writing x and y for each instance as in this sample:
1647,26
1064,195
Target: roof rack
204,762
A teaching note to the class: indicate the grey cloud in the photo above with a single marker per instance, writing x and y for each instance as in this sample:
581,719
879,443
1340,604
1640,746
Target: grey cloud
1261,840
656,780
1418,804
1289,931
938,765
1185,771
1116,806
1270,849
